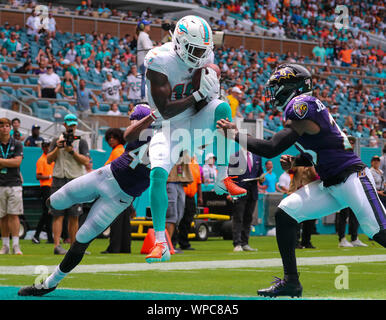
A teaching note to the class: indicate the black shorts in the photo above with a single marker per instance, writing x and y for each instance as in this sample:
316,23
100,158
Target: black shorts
49,93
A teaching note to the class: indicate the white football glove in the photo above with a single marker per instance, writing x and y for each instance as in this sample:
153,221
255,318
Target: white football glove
209,86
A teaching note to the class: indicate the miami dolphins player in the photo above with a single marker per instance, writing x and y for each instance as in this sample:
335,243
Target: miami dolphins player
345,179
170,91
114,186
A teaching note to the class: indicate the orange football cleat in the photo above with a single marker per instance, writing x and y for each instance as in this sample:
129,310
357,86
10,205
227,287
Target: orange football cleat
229,186
159,253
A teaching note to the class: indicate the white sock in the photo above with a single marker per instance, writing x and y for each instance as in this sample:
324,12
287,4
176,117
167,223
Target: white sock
5,241
160,236
54,278
15,241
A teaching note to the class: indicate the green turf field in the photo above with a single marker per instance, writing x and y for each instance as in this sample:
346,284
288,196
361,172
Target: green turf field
212,269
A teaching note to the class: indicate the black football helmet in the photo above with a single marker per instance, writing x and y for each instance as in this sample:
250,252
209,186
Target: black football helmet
286,82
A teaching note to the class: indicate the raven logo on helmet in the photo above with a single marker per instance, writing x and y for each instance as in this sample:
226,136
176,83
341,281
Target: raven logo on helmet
285,73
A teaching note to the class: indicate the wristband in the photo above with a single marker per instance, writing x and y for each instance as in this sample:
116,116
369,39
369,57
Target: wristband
197,95
71,152
155,115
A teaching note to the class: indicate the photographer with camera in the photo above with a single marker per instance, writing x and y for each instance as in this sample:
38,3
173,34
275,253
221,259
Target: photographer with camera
70,154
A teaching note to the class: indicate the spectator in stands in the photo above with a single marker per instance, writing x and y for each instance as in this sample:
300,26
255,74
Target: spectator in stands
146,14
70,162
242,210
103,53
104,11
83,9
134,80
98,67
284,183
111,89
83,96
67,66
374,139
49,84
15,131
114,110
70,52
67,90
382,118
32,25
51,26
34,140
84,49
209,170
12,45
144,45
44,172
25,68
319,51
191,190
269,185
378,175
11,194
107,67
383,161
234,99
345,56
120,235
4,76
42,66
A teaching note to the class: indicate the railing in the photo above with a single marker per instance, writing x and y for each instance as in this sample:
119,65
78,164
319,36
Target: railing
69,22
21,103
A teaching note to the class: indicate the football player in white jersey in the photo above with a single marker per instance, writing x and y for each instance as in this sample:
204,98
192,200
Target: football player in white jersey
169,83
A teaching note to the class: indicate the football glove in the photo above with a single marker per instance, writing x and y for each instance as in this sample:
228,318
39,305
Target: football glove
209,86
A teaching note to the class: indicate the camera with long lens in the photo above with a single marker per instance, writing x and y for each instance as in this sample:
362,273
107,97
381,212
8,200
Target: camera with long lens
69,137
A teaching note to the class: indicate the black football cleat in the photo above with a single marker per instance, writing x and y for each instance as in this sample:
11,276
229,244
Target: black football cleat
282,288
35,291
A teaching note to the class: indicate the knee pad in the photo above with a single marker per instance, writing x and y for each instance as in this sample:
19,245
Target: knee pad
87,232
59,200
380,237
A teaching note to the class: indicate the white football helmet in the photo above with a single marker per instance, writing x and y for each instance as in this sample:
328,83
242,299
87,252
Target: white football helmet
193,40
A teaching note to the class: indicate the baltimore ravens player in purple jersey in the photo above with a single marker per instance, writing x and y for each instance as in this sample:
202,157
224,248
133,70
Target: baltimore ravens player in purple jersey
114,187
345,180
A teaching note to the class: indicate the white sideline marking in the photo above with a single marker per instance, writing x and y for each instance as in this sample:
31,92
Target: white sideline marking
195,265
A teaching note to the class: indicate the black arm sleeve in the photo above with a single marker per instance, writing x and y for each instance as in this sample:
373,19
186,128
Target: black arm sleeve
280,142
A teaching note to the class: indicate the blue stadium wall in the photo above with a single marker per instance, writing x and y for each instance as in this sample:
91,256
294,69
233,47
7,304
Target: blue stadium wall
32,154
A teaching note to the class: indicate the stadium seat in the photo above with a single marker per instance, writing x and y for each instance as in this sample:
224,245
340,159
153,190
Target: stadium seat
16,79
104,107
32,80
95,110
64,104
43,104
22,95
46,114
124,108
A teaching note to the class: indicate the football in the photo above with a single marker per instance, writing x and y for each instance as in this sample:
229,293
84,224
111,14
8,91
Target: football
197,74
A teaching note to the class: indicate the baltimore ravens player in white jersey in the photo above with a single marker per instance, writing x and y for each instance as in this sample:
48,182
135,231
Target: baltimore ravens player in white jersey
345,181
169,81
